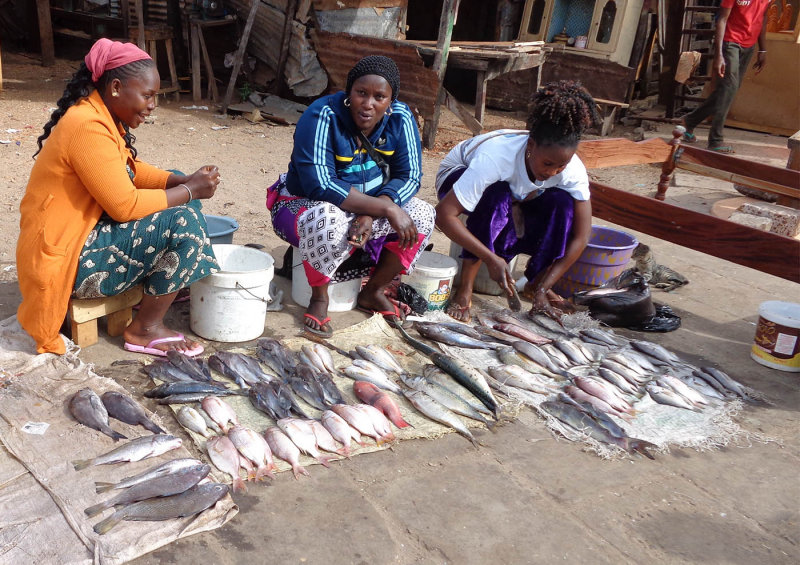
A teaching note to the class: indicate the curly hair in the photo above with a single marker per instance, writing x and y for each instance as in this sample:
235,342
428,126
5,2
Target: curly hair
81,85
560,112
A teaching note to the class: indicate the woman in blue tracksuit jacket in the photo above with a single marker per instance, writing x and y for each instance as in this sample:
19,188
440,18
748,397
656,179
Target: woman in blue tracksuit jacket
340,207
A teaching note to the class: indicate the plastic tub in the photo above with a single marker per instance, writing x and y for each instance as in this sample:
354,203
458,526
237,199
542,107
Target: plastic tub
220,228
342,296
777,340
433,278
483,282
606,256
231,305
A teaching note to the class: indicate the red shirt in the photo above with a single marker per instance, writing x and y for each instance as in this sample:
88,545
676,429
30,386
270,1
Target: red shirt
745,22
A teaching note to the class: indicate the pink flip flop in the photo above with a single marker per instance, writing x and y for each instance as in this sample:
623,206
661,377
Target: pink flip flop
150,350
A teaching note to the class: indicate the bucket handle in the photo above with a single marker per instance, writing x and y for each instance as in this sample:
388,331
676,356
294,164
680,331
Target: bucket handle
240,287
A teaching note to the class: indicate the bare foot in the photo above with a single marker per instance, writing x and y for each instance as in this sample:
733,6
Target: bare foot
318,308
374,300
459,306
144,336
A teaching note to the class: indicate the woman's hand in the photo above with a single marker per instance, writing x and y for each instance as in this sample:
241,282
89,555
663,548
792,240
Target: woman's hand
360,231
498,271
203,182
402,223
541,303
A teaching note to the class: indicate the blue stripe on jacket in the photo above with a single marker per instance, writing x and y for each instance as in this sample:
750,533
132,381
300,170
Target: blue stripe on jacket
326,163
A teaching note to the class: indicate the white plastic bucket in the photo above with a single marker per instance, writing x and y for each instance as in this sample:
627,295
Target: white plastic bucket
433,278
777,340
342,296
483,282
231,305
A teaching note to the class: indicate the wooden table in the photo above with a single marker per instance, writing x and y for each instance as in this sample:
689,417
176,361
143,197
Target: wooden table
197,26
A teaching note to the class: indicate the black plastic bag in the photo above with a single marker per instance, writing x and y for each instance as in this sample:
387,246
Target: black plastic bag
407,295
664,320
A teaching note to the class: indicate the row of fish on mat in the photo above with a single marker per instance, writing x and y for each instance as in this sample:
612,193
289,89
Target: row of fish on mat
174,489
586,375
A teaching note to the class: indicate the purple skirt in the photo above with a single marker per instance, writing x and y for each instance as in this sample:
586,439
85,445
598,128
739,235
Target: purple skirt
547,218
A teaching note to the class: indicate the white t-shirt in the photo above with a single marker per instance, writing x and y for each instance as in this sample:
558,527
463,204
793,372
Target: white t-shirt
500,156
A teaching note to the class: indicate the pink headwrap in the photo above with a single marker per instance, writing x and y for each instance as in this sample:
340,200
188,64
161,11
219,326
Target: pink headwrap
106,54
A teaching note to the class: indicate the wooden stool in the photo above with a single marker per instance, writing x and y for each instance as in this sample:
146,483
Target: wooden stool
118,310
152,35
198,49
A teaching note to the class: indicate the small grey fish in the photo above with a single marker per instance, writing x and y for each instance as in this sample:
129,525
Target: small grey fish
572,352
166,372
135,450
243,369
125,409
444,335
367,371
727,382
666,396
86,407
183,387
458,327
535,353
190,419
166,485
276,356
606,337
437,412
656,351
446,398
188,503
160,470
188,365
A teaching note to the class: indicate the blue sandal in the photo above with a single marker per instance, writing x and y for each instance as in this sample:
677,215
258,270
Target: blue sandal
689,138
726,149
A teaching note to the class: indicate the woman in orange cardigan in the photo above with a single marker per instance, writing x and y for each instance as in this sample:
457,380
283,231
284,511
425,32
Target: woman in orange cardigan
96,221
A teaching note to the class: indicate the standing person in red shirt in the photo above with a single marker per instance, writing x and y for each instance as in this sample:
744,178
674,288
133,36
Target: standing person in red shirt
741,24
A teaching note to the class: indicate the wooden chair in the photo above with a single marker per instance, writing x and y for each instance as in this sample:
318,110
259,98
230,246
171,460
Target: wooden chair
153,34
118,311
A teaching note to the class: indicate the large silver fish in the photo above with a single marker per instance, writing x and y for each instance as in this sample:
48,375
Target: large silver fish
380,357
668,397
153,472
445,397
362,370
437,412
435,375
444,335
135,450
86,407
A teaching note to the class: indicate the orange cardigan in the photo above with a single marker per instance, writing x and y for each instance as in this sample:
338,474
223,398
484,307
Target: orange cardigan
79,174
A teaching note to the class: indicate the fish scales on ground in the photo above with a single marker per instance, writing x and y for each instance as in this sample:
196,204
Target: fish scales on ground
435,375
253,447
226,458
243,369
379,421
86,407
284,448
437,412
184,387
445,397
188,503
340,430
276,356
154,472
190,419
447,336
370,394
581,421
135,450
362,370
302,435
165,485
220,412
125,409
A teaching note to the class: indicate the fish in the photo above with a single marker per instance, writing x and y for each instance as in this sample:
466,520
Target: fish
195,368
437,412
549,324
634,377
302,435
310,358
358,421
185,387
702,386
379,421
556,355
340,430
86,407
362,370
618,380
728,383
582,421
330,392
711,381
380,357
166,372
514,303
488,333
154,472
241,368
125,409
434,375
522,333
509,356
276,356
658,352
190,419
678,386
536,354
445,397
188,503
324,438
444,335
270,400
458,327
212,425
326,358
572,351
622,301
284,448
190,398
370,394
667,396
605,392
165,485
253,447
513,375
603,336
135,450
598,404
226,458
305,385
219,411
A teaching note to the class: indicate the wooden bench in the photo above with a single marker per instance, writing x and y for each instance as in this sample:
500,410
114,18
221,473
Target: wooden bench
118,310
608,113
767,252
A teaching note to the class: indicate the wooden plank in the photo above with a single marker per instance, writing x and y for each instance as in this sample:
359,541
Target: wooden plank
1,67
92,308
280,83
345,4
740,179
767,252
46,33
463,114
619,151
139,6
446,23
237,61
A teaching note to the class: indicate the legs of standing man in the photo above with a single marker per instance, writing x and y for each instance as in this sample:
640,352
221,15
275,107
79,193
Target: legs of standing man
736,61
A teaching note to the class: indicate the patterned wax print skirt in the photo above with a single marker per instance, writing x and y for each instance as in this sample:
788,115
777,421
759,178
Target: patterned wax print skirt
165,251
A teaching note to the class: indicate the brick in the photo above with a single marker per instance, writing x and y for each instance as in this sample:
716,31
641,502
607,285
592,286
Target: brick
785,220
758,222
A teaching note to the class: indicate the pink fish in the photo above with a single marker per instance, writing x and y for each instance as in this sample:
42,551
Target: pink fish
285,449
226,458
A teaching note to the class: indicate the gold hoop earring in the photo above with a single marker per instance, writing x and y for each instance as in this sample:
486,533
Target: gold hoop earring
347,102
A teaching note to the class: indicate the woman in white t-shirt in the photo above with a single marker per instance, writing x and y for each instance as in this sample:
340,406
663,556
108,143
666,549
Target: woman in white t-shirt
523,192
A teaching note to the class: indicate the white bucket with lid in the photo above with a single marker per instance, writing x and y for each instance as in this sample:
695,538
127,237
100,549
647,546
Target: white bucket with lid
777,340
231,305
433,278
483,282
342,296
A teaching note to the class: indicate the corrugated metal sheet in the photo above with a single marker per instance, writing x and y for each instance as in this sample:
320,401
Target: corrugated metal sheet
386,23
265,39
338,52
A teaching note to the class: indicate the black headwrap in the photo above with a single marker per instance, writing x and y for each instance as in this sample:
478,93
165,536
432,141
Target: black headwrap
375,65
